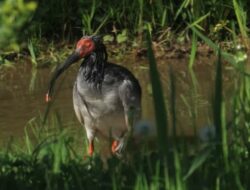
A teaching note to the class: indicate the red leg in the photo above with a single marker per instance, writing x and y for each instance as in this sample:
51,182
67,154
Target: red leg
114,146
91,148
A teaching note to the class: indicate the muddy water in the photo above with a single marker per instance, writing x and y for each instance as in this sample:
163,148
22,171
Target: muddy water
22,93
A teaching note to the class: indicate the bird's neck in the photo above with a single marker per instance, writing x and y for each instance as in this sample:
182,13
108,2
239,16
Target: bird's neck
93,68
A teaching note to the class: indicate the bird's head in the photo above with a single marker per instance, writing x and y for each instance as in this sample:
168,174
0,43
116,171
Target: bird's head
85,46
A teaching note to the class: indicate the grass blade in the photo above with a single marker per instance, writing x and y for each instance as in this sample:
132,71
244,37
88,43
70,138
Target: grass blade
159,103
198,161
241,19
218,98
196,23
224,135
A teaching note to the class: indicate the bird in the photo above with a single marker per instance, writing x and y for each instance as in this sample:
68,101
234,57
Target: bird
106,97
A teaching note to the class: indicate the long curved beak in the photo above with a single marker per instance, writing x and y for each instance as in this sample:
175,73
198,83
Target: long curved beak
59,70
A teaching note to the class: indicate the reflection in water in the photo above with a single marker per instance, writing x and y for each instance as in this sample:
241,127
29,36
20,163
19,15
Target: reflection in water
22,94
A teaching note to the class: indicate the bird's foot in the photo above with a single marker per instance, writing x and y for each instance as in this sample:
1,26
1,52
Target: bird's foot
114,146
117,147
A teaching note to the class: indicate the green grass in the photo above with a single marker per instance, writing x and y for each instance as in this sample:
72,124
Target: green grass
159,104
51,156
241,16
63,19
121,21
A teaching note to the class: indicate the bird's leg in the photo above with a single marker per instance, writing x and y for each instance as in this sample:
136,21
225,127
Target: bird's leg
91,147
129,119
118,146
90,135
126,136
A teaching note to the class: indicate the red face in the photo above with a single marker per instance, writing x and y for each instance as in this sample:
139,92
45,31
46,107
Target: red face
85,46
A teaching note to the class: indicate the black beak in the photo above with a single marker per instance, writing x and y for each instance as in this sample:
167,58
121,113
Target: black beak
59,70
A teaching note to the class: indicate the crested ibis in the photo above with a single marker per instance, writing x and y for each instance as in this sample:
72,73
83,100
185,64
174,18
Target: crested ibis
106,96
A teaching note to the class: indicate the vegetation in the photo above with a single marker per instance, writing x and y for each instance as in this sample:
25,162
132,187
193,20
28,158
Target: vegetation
64,19
49,156
214,17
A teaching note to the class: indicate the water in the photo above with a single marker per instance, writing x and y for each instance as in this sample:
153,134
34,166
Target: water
22,93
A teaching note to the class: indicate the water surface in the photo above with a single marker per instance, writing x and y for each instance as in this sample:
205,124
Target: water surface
22,93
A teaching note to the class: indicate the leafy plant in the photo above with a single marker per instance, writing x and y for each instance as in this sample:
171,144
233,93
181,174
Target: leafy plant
14,14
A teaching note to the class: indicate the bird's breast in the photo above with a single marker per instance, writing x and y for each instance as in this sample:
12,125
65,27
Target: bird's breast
99,102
